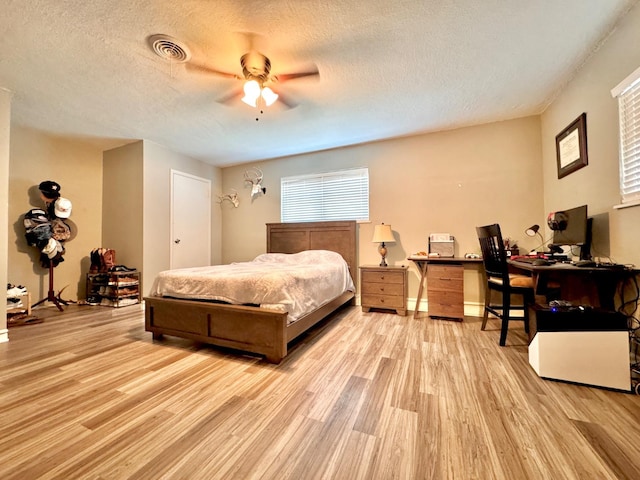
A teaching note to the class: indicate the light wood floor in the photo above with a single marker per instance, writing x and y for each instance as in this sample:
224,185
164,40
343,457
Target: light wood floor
88,395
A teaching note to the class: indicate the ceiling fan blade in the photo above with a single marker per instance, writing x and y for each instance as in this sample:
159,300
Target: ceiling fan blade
284,77
196,67
287,101
235,93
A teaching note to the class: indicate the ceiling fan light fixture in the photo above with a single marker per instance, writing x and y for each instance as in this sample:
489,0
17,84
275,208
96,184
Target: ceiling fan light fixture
251,93
269,96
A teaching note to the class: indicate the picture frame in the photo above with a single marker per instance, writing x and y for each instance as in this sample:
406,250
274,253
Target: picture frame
571,147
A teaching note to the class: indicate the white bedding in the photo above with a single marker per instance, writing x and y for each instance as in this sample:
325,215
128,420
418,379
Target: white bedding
296,283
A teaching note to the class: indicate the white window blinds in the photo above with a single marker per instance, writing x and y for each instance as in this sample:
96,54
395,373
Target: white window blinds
628,93
340,195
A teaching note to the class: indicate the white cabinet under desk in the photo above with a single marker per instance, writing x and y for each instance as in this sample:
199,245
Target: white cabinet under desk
444,277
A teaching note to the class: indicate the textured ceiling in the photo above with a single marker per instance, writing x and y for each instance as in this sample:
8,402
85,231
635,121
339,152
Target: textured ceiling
84,69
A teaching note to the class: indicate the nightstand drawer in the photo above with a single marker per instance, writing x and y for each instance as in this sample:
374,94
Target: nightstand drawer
383,289
383,301
382,277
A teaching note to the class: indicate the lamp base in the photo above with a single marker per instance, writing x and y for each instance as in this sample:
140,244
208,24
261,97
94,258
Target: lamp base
383,253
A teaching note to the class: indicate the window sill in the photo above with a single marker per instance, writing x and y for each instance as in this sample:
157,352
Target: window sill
634,203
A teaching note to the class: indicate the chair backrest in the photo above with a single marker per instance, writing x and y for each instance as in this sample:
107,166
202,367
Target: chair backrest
494,254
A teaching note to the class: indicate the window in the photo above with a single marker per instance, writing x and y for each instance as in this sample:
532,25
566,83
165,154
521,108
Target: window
341,195
628,94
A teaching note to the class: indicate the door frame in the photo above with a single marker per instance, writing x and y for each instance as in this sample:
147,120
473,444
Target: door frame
174,173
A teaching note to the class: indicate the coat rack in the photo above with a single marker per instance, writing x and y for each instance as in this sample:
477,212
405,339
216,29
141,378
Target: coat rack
51,295
46,229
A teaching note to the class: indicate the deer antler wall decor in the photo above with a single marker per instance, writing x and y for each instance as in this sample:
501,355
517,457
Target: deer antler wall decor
254,176
232,197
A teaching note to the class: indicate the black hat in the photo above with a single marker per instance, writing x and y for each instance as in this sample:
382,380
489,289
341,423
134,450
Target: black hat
50,189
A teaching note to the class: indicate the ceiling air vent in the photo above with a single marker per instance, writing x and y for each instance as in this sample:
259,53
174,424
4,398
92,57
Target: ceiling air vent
169,48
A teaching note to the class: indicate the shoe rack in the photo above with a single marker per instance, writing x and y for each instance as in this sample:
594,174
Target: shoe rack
113,289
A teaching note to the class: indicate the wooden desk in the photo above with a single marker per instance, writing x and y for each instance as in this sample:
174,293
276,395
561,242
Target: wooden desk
594,286
445,285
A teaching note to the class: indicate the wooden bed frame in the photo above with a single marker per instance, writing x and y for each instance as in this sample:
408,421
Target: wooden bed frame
253,329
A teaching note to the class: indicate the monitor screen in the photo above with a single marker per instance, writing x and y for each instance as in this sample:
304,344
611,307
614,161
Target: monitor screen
576,231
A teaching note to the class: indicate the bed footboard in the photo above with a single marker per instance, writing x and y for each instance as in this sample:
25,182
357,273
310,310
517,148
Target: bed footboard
251,329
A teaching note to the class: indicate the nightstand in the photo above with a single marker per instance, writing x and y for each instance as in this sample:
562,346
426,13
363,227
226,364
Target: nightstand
383,287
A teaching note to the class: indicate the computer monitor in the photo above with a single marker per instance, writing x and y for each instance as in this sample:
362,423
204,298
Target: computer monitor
577,231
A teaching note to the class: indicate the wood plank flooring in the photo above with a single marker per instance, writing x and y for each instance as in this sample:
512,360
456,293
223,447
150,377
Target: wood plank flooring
87,394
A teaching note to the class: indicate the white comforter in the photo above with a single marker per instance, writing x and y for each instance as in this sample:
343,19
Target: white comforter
296,283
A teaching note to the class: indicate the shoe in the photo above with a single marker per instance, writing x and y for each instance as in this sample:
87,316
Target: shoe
14,303
95,261
15,291
94,300
121,268
109,259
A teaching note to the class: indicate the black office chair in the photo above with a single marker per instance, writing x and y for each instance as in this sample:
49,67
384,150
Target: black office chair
499,279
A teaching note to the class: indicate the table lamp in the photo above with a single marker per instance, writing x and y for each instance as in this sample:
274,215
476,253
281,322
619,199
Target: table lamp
381,234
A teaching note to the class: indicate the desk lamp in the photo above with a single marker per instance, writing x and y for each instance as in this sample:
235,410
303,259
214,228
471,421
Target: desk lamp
533,230
381,234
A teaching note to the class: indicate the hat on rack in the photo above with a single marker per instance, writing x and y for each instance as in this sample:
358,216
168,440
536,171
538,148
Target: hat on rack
62,207
50,189
61,231
50,248
35,217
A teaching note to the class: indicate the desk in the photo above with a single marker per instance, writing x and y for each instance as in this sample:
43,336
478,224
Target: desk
445,290
595,286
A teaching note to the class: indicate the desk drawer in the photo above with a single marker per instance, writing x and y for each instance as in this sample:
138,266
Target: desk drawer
382,277
446,303
445,277
446,310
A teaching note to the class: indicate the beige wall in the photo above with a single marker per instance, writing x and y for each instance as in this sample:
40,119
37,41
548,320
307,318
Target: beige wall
596,184
122,208
5,128
441,182
77,167
158,163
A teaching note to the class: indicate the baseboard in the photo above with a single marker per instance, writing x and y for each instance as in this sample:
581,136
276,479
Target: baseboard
471,309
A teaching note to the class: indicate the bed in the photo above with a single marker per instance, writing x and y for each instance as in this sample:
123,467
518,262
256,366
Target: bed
255,329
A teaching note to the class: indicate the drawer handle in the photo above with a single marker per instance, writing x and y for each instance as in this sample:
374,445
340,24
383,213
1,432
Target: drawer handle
382,300
444,278
382,289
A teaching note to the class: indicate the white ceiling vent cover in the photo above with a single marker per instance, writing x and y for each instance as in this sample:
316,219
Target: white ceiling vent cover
169,48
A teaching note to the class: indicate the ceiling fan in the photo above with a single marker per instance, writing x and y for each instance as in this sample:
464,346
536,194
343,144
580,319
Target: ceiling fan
256,74
258,80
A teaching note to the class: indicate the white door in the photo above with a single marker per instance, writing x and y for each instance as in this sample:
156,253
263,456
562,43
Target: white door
190,220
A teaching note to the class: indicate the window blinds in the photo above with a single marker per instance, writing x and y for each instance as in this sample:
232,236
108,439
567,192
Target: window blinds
628,93
340,195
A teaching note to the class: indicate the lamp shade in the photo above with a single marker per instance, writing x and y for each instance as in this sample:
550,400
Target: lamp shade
382,233
269,96
251,93
532,230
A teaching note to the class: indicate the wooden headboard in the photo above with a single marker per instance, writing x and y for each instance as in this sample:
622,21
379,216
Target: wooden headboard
296,237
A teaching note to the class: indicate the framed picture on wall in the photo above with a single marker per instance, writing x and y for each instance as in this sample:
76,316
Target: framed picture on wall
571,147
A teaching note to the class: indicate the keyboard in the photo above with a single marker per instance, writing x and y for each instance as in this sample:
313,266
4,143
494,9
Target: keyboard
526,259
